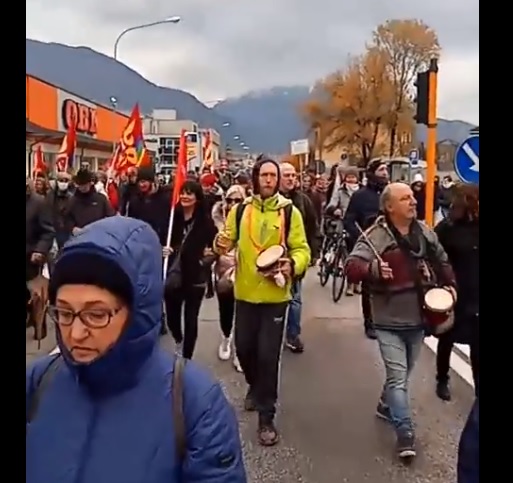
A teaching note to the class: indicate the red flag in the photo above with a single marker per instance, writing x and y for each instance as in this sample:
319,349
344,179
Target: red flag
67,151
113,194
39,165
208,155
181,169
131,149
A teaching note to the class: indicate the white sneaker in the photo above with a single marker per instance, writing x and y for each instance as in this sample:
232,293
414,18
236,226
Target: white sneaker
225,349
236,364
179,348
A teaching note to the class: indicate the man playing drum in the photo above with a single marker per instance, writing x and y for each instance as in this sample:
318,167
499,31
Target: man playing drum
262,285
402,260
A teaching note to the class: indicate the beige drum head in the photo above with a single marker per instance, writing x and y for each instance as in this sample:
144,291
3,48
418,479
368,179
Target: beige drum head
439,300
269,257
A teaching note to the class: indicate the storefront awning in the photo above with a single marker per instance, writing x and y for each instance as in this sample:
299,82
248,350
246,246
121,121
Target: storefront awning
42,134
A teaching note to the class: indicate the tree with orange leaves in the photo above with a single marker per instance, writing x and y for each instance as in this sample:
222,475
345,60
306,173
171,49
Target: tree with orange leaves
368,106
408,45
351,106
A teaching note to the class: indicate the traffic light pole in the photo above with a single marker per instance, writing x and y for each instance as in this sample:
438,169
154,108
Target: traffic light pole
431,142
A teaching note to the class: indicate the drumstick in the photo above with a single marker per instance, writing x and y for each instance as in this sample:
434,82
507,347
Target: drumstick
372,247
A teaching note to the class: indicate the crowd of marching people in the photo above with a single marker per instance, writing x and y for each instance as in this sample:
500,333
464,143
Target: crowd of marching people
247,238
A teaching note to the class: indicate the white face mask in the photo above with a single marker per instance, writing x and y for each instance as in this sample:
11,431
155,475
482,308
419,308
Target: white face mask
62,185
352,187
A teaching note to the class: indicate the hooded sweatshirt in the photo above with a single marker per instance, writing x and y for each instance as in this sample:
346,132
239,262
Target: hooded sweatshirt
261,227
111,421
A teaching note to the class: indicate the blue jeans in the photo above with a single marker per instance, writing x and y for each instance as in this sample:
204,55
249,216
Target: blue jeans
399,350
294,315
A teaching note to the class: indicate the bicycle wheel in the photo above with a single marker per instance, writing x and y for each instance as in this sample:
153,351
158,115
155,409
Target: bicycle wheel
325,264
338,281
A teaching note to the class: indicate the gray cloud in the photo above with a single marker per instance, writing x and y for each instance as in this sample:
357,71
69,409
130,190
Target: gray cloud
226,47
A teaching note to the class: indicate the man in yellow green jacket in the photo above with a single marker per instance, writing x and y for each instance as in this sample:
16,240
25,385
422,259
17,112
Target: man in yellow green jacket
265,219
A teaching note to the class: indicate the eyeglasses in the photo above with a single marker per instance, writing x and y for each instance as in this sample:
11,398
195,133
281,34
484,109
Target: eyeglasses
233,200
92,318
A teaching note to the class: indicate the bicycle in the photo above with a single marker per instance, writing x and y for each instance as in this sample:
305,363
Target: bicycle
338,280
328,249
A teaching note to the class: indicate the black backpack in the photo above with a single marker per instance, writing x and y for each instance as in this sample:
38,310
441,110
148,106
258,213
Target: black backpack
287,212
176,395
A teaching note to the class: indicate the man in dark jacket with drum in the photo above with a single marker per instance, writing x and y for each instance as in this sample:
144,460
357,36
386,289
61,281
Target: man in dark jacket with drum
400,258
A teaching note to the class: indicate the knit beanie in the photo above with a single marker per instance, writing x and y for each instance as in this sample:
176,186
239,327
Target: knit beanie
146,173
90,269
374,165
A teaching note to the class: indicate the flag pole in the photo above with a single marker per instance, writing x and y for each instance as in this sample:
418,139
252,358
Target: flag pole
168,240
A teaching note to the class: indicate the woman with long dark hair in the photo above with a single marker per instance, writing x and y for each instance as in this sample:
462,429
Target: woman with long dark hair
191,241
459,235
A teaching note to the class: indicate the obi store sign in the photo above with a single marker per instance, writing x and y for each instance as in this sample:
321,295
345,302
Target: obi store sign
84,117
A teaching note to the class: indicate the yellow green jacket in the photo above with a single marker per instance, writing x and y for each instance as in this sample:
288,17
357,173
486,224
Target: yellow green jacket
266,230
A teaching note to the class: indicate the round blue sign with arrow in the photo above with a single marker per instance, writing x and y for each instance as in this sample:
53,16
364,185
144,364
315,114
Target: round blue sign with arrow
466,160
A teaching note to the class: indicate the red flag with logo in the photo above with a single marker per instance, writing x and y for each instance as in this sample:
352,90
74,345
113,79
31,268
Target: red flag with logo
39,165
67,151
131,150
181,169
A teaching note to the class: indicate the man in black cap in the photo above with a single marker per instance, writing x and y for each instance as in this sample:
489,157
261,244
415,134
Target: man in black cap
361,212
151,202
86,205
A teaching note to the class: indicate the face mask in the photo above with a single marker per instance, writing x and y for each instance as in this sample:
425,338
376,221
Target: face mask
62,185
352,186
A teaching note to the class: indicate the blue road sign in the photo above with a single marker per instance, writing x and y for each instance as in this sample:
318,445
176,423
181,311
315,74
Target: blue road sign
466,160
414,157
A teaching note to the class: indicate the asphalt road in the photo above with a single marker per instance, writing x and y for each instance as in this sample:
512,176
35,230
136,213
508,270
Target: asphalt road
327,400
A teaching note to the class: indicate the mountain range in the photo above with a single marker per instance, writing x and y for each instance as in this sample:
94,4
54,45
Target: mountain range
265,120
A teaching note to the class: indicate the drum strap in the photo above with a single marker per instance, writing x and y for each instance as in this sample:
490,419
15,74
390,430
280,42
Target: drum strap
285,214
405,248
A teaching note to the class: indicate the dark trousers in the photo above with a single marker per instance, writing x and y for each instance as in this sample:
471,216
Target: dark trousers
226,304
188,300
259,332
443,358
366,306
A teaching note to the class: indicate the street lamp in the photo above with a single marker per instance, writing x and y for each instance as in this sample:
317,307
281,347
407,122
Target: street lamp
174,19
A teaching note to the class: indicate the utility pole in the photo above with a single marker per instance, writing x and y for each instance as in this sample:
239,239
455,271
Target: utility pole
427,88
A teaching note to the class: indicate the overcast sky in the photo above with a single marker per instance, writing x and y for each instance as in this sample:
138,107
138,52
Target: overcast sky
224,48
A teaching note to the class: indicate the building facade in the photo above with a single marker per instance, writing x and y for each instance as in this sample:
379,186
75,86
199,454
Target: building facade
162,132
49,110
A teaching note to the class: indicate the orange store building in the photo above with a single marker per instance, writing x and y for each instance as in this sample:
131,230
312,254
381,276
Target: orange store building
50,110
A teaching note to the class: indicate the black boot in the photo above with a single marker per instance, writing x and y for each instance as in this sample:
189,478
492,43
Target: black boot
249,402
370,333
443,391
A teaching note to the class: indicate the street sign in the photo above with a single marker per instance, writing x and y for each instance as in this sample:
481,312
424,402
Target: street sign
299,147
414,157
466,160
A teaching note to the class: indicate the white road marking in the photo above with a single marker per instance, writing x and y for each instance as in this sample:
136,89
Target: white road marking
458,364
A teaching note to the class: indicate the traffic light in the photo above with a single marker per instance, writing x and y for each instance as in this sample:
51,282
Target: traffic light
422,98
426,86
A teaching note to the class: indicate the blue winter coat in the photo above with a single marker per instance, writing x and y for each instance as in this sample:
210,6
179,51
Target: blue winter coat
468,454
111,421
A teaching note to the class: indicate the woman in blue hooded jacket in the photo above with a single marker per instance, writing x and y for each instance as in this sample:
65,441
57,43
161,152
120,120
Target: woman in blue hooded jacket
103,410
468,451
